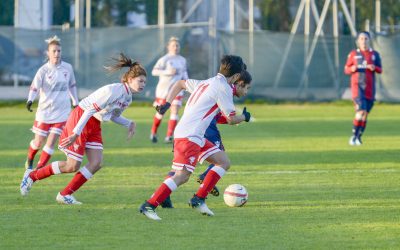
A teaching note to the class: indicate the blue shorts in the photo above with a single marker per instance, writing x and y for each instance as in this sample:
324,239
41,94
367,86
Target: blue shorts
212,134
363,104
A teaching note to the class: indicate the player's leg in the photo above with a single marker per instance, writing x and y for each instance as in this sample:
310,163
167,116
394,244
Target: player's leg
47,150
369,106
360,107
95,157
34,147
156,120
173,121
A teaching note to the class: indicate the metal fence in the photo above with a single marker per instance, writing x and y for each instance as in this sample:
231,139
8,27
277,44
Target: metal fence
277,61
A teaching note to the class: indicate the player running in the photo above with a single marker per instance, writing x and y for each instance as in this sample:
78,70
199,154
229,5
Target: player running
170,69
53,82
240,89
82,133
207,99
362,64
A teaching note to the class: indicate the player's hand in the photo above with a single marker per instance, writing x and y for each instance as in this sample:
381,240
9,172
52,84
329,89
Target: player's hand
131,131
163,108
246,114
353,68
66,142
28,106
171,71
371,67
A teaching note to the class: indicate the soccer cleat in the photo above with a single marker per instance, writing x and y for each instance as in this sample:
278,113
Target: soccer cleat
168,139
200,205
153,138
352,141
149,210
28,164
214,191
167,203
26,183
67,199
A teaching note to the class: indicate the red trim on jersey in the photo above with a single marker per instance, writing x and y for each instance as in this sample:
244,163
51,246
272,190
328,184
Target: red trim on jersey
212,109
233,113
126,88
96,107
198,92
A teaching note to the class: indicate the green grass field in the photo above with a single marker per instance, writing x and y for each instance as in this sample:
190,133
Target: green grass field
307,188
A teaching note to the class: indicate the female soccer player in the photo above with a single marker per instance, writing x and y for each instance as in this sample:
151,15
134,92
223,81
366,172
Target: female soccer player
170,69
207,99
82,133
362,64
54,80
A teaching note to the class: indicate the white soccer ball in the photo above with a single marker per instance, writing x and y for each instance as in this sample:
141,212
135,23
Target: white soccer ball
235,195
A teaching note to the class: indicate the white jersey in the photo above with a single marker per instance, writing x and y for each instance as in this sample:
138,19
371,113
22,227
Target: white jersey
54,82
163,68
105,104
207,98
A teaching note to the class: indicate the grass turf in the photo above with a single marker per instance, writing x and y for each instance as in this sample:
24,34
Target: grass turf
307,188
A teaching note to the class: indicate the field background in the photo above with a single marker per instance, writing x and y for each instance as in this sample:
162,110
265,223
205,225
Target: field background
307,188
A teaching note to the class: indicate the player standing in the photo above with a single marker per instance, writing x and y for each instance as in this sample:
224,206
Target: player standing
82,133
207,99
170,69
53,81
362,64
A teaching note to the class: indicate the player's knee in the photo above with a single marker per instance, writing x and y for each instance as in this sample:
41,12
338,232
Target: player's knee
181,177
360,115
225,164
71,167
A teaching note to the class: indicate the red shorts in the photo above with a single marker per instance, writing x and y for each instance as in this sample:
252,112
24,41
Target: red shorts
188,153
89,138
177,100
43,129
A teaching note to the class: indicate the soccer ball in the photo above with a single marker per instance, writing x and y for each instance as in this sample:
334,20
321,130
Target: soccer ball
235,195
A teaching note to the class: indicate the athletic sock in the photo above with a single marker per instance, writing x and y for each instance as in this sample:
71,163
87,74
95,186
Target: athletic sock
203,175
363,125
45,156
356,127
173,120
210,181
156,123
32,150
166,188
79,179
45,172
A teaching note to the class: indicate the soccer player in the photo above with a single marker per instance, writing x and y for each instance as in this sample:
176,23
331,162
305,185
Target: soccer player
170,68
82,133
240,89
206,100
53,82
362,64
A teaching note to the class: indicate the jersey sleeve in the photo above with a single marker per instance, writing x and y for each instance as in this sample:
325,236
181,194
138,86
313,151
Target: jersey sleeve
73,92
36,85
160,68
378,63
191,85
121,120
225,102
349,63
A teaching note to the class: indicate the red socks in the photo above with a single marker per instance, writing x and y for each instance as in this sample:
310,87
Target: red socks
79,179
171,127
210,181
32,150
45,172
156,123
45,156
166,188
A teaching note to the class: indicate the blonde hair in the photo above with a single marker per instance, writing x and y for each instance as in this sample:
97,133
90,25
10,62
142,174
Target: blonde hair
55,40
135,68
173,39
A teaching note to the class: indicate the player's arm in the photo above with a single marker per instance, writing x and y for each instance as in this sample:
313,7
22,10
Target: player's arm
73,92
172,93
225,103
235,119
349,67
34,89
129,124
378,63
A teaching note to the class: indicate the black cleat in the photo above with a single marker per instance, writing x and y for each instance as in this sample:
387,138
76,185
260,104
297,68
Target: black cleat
153,138
200,205
167,203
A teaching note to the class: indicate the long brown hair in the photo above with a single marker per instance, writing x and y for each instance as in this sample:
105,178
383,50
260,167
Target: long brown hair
135,68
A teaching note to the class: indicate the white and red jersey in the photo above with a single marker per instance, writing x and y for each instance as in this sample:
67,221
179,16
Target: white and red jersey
53,83
207,98
163,68
105,104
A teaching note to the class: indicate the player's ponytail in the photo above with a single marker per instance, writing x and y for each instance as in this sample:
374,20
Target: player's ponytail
135,68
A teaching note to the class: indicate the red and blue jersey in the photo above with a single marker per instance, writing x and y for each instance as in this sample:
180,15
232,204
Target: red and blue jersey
363,79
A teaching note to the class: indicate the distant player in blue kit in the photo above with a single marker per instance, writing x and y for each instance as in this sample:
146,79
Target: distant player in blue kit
362,64
240,89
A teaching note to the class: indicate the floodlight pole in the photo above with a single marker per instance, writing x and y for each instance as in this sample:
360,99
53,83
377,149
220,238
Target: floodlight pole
377,16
